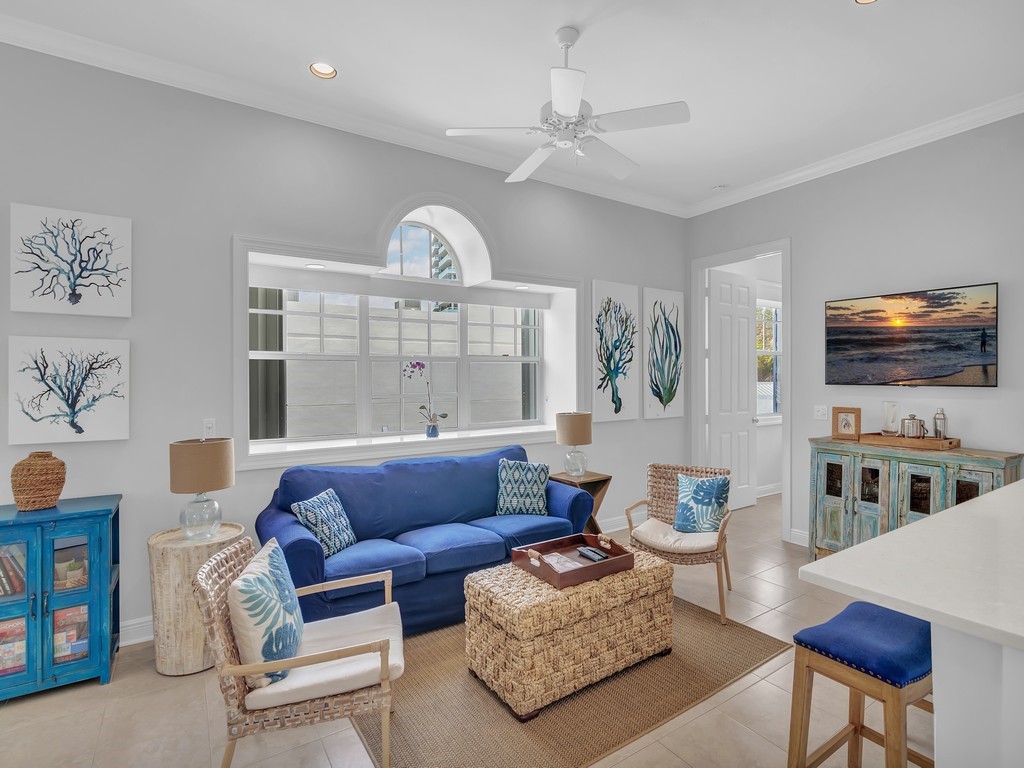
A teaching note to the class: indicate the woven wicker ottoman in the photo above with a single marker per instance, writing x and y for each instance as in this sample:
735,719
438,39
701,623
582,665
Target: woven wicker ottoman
533,644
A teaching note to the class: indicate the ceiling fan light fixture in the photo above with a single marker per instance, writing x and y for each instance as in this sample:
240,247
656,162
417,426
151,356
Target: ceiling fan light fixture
323,70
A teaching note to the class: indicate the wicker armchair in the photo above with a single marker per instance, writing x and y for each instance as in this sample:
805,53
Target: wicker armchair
210,585
661,539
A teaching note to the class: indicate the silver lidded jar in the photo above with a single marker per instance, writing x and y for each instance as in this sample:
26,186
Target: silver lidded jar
940,424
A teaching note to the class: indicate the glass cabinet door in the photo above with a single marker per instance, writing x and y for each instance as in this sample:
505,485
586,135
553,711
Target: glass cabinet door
70,563
920,491
967,484
871,508
19,607
833,487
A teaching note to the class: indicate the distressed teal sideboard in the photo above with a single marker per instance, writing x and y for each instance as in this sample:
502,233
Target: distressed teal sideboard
59,594
860,491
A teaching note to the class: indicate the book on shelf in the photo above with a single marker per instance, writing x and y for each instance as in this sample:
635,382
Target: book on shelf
12,646
11,575
71,633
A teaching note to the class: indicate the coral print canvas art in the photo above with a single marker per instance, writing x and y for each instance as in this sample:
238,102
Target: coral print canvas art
617,356
662,353
67,390
69,262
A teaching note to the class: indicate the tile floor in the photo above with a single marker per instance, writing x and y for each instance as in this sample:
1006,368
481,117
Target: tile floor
143,718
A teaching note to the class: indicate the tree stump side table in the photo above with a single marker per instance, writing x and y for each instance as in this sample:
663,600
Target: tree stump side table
178,634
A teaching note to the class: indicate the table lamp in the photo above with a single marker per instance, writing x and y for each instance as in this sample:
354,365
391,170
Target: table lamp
573,429
200,466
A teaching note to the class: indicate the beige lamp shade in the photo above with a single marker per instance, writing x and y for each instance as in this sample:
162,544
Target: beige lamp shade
572,429
198,466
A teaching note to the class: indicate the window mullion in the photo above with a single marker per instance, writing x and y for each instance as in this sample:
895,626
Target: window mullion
364,397
462,378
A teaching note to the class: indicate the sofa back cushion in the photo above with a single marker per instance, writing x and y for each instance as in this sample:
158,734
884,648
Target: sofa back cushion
405,494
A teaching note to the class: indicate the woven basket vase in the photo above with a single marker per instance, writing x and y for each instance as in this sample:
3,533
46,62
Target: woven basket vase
37,481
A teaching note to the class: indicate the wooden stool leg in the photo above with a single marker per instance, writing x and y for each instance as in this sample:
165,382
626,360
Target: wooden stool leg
800,714
855,746
229,753
728,576
721,592
894,705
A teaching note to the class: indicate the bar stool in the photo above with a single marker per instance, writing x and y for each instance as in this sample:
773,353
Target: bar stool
875,652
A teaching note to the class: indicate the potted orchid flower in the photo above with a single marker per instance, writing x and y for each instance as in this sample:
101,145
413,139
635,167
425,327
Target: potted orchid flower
419,368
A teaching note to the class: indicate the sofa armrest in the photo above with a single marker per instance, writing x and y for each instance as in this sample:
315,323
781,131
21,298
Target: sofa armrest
573,504
302,551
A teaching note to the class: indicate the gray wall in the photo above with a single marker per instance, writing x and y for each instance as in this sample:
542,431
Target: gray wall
190,172
945,214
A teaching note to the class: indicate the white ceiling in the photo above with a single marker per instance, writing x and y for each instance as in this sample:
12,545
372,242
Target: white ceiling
780,91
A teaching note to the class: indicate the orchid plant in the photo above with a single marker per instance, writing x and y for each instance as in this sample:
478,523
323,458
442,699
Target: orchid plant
419,368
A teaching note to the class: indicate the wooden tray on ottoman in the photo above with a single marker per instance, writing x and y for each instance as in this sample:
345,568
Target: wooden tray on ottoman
620,559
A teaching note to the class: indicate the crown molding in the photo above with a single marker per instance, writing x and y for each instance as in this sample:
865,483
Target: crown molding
65,45
941,129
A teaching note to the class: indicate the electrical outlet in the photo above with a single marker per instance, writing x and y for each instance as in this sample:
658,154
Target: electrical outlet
821,412
209,428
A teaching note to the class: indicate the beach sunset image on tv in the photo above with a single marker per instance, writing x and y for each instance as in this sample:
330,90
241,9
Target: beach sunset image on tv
944,337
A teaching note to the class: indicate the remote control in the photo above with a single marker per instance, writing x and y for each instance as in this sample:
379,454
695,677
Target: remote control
592,554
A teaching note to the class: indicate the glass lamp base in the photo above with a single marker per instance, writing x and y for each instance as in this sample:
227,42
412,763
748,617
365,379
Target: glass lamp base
200,517
575,463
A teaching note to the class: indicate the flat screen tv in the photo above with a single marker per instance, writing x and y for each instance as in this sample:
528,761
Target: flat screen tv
946,338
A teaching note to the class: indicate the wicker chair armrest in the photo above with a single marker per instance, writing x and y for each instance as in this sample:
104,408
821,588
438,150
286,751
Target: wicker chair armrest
630,508
377,646
351,581
721,528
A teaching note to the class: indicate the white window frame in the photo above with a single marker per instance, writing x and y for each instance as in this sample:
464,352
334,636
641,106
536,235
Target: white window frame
771,419
562,300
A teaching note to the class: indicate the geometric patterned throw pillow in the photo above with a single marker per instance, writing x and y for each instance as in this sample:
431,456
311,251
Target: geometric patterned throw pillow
326,518
265,613
702,503
522,488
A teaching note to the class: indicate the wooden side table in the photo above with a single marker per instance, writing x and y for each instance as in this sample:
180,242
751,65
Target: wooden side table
178,633
593,483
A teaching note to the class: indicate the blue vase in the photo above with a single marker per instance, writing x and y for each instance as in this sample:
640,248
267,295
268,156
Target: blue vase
432,430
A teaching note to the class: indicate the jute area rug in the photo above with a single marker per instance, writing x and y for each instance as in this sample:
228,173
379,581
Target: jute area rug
444,718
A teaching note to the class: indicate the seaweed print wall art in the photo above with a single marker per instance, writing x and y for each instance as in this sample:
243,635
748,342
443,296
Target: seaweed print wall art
662,354
67,390
616,352
68,262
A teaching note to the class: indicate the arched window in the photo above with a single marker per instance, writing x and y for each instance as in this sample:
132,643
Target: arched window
416,250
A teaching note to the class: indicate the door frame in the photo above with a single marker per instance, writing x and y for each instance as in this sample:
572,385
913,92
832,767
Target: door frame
794,528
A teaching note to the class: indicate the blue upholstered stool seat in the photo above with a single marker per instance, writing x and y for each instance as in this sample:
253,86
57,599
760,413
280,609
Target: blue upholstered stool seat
883,643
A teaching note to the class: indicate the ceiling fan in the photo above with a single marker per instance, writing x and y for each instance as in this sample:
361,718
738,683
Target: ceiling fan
569,122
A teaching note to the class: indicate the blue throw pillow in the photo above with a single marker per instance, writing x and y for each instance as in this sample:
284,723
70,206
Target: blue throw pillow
325,517
702,503
522,488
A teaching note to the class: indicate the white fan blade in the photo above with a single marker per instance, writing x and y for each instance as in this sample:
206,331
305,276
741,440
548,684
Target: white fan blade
613,161
491,131
532,163
644,117
567,90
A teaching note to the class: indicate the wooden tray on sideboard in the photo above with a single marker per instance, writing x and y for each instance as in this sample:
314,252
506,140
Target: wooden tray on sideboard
621,559
921,443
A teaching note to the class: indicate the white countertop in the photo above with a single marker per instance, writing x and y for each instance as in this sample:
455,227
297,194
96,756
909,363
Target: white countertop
962,568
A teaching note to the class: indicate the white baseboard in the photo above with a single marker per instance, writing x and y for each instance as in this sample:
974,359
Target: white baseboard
619,523
797,537
769,490
135,631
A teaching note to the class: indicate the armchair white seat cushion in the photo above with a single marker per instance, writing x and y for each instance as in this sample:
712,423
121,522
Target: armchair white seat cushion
341,675
655,534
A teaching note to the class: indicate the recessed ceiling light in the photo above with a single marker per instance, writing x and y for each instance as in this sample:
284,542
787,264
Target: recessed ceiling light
323,70
522,287
315,266
863,2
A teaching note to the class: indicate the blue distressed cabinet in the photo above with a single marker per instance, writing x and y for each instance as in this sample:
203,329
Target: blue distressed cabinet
859,491
59,594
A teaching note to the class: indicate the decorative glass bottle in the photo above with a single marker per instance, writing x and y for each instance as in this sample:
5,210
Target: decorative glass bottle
940,424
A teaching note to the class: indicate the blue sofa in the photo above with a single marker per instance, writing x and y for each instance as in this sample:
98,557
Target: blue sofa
429,521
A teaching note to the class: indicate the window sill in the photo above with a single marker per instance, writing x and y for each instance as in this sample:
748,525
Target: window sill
278,455
772,420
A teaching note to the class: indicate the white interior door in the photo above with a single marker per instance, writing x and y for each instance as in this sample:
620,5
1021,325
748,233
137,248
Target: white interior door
731,436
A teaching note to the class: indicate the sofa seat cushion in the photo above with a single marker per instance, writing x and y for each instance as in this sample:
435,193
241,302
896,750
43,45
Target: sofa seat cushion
406,564
342,675
521,530
454,546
